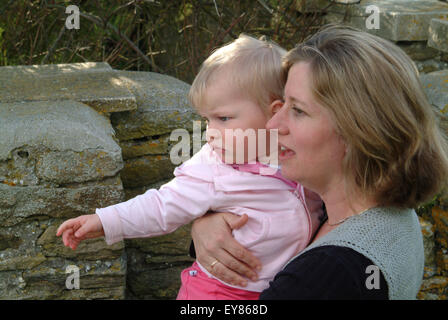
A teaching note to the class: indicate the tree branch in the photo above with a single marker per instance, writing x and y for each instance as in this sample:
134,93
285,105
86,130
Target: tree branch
99,21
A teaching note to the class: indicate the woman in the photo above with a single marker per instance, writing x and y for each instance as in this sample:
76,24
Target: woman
355,128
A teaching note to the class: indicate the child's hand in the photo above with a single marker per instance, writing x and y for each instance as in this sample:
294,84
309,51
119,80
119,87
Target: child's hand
75,230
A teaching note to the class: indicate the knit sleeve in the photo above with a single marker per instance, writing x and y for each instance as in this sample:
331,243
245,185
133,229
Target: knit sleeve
326,273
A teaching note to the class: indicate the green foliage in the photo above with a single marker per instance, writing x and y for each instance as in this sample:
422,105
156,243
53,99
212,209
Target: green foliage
173,37
3,59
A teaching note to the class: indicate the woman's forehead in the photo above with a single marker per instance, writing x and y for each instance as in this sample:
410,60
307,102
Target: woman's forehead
298,78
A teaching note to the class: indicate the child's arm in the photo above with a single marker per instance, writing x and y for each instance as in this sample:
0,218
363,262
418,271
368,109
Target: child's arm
157,212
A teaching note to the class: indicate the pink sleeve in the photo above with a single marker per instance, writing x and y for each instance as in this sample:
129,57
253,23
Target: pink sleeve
157,212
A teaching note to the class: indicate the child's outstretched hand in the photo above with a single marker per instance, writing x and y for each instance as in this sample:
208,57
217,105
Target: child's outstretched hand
75,230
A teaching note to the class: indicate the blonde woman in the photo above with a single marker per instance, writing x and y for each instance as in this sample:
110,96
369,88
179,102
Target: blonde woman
356,128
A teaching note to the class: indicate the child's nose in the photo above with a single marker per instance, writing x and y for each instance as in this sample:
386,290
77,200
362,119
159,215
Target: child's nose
213,134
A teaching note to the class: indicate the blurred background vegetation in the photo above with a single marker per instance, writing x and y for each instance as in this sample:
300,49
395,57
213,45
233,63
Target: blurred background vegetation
169,37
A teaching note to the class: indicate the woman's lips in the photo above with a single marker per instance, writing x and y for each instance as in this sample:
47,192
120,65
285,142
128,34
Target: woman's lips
285,153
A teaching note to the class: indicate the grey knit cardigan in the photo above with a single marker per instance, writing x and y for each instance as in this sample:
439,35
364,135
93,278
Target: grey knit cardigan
392,239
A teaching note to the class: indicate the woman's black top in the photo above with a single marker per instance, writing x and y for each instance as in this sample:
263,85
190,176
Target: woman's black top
328,273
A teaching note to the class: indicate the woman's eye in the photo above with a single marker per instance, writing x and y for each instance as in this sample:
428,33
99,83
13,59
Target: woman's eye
297,110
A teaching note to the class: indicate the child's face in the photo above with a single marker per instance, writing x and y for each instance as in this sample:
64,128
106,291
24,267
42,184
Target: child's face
227,109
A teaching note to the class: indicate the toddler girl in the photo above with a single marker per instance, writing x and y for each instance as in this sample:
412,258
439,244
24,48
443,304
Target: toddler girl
233,91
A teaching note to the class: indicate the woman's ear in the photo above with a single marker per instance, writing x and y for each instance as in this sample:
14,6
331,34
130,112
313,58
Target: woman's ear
274,107
344,144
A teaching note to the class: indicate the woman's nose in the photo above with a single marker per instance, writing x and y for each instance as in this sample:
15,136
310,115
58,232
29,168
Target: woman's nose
278,121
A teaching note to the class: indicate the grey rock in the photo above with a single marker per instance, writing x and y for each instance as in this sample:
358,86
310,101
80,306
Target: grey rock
438,34
36,202
145,170
436,88
418,50
48,70
162,106
93,84
55,142
399,20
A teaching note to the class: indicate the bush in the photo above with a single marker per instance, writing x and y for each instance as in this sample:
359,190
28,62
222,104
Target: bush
171,37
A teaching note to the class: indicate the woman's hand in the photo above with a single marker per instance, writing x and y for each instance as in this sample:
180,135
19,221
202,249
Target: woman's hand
218,252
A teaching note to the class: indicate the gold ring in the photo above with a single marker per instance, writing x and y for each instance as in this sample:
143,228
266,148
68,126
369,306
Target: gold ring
213,263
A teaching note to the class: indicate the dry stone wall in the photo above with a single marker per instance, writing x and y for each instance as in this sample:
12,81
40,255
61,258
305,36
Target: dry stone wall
77,137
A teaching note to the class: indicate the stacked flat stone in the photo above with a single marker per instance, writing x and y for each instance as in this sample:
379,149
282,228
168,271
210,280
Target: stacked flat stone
436,87
60,158
144,135
438,35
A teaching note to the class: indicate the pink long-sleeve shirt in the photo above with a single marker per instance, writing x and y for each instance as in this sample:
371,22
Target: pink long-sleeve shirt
282,218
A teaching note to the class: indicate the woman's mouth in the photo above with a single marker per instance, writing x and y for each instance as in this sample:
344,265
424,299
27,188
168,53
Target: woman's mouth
285,153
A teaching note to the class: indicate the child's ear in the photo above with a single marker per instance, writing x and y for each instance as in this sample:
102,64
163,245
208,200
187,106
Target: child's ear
275,106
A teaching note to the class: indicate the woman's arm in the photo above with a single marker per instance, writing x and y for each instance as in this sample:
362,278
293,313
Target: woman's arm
213,241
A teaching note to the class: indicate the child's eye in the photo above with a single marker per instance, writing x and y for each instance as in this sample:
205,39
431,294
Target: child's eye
224,118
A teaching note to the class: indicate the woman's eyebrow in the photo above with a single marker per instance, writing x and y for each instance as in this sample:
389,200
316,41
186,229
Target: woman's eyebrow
295,100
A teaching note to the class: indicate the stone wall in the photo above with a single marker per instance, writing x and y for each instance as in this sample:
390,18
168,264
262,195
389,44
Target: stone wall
80,136
75,138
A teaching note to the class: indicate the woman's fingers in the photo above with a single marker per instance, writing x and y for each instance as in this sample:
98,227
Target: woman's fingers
220,271
235,222
213,239
238,251
238,262
231,269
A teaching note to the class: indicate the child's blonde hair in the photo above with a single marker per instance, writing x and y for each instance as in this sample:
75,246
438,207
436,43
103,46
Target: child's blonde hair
255,66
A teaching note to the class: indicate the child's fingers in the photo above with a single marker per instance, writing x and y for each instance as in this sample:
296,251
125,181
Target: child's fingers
84,230
71,223
69,240
67,237
62,228
91,228
74,243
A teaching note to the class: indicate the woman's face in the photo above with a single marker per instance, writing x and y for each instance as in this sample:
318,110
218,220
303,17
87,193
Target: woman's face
312,151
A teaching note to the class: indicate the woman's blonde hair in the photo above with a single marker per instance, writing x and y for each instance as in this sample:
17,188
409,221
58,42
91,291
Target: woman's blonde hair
396,152
255,67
